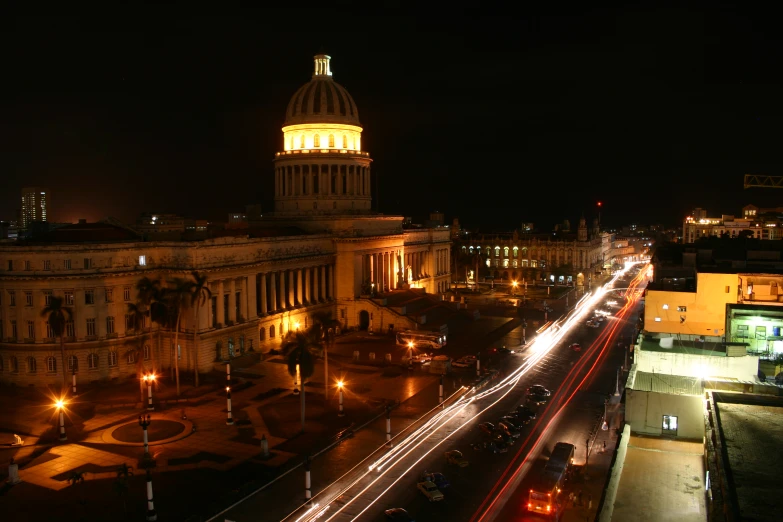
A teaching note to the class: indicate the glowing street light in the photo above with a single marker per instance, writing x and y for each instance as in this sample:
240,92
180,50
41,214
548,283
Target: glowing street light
340,385
229,418
410,355
149,378
60,406
296,326
144,422
514,288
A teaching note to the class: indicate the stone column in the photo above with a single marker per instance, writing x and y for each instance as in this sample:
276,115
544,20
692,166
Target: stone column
220,309
262,289
307,296
249,296
331,282
300,287
291,301
232,300
272,291
203,317
281,293
323,283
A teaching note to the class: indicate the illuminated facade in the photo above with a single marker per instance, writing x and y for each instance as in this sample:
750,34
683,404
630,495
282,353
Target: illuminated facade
35,201
322,249
758,223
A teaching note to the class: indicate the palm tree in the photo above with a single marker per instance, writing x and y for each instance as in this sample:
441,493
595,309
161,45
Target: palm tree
178,296
324,333
137,313
201,294
301,348
57,315
150,295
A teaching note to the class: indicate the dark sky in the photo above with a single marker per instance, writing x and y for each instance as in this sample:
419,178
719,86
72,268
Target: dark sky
493,117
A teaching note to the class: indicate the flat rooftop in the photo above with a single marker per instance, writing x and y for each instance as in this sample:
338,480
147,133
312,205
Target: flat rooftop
751,432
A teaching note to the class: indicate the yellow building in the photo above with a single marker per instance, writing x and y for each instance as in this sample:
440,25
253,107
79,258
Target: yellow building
323,249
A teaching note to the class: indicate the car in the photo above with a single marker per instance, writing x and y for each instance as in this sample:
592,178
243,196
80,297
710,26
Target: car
430,490
512,422
421,358
437,478
504,350
398,515
593,324
576,347
537,389
493,446
536,399
465,362
503,436
456,458
487,427
509,428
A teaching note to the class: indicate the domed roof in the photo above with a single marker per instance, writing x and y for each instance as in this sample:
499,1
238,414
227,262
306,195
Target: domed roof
322,100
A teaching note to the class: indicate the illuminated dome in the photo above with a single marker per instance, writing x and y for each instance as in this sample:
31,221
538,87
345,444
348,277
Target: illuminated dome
322,100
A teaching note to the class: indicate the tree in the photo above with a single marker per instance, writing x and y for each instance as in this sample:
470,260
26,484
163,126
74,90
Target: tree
178,295
149,294
137,313
57,315
300,350
200,295
324,332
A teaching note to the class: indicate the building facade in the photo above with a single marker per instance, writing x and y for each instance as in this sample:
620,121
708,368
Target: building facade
757,223
322,249
35,202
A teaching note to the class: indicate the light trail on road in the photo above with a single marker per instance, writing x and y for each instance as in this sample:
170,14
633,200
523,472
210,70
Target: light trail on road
605,338
396,455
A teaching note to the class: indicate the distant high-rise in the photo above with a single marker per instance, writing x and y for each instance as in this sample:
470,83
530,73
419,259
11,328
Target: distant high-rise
35,201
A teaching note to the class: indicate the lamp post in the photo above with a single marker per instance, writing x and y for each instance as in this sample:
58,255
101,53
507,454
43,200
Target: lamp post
73,379
144,422
524,331
513,288
340,384
478,364
229,418
60,405
410,355
149,378
151,514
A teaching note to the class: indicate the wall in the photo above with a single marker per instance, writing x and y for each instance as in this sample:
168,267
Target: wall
705,312
700,366
644,411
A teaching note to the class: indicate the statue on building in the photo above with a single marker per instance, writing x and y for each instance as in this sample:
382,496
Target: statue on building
400,271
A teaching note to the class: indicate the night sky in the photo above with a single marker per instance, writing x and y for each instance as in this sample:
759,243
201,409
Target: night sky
496,118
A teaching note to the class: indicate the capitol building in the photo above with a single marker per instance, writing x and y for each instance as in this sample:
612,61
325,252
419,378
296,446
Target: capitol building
322,250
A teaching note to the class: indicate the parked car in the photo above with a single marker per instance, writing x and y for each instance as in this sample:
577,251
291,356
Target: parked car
537,399
509,428
437,478
576,347
465,362
487,427
456,458
430,490
512,422
537,389
524,414
491,446
398,515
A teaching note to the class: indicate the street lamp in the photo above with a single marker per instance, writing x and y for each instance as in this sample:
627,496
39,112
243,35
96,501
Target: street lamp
144,422
296,326
513,288
60,405
229,418
340,385
149,378
73,379
410,355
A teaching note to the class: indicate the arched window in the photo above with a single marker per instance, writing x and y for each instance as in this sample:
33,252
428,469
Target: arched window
230,347
316,141
489,252
464,249
31,365
505,251
302,141
470,250
51,365
515,263
112,358
497,251
147,352
516,251
92,361
272,332
262,334
131,357
331,140
73,363
14,364
241,344
345,142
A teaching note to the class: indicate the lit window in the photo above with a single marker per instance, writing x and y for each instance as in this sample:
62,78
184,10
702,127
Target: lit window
142,260
657,319
665,307
51,365
682,309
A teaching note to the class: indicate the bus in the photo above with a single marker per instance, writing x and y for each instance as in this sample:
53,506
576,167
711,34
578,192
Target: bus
421,339
546,488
